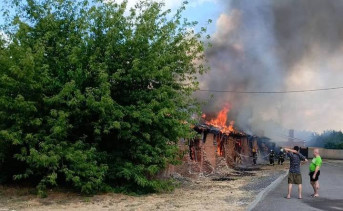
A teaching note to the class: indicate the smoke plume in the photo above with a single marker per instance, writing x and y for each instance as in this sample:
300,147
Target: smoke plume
269,45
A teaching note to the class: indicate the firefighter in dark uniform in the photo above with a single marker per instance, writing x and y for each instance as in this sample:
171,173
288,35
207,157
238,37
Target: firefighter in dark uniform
254,155
271,157
281,157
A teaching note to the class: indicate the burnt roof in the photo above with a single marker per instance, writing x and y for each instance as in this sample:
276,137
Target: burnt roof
214,130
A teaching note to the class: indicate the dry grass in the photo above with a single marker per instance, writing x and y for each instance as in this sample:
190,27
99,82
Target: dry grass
202,194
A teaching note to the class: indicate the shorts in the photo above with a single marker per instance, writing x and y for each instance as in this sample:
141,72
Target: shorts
294,178
316,178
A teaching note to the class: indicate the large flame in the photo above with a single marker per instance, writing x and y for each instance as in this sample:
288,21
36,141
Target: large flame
221,121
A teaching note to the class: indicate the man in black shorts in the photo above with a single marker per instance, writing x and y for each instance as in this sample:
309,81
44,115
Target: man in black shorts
294,176
315,165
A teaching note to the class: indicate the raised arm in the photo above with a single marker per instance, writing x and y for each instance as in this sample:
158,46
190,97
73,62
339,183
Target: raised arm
290,150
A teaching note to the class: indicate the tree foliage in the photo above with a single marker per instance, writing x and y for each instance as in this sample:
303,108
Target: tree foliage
93,96
328,140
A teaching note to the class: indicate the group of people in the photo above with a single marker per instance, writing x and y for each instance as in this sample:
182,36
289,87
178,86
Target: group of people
281,157
294,176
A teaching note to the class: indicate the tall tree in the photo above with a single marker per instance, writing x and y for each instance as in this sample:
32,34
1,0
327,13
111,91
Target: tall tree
93,96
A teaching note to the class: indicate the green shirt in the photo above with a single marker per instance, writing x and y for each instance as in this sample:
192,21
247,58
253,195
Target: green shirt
317,161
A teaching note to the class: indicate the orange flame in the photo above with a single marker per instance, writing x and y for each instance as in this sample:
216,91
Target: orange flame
221,121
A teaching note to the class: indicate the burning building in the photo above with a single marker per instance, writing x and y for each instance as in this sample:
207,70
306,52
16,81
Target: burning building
218,147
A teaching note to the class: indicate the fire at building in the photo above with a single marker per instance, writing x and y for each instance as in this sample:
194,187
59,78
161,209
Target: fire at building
218,148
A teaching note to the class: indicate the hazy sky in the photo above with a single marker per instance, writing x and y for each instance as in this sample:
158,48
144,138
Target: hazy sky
269,45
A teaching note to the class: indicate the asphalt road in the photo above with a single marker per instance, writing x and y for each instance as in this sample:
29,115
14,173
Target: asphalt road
331,192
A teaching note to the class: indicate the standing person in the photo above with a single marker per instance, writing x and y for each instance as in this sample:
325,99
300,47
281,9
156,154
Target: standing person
271,157
281,157
254,155
315,165
294,176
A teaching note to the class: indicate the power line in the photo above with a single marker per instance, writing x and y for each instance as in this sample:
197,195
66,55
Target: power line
271,92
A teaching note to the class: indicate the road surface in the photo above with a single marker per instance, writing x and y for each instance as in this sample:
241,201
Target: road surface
331,192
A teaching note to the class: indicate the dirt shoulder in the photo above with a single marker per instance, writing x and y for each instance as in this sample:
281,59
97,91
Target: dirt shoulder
231,191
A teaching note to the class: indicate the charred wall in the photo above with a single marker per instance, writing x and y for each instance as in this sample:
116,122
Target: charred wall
214,152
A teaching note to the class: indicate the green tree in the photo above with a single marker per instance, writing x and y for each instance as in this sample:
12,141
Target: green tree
92,96
328,139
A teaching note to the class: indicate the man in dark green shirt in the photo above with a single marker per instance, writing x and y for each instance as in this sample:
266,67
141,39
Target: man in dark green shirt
315,165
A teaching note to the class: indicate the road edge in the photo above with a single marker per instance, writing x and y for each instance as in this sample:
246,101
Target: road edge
260,196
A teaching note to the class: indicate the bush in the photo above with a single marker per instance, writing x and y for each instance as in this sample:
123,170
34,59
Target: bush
91,96
332,145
